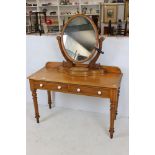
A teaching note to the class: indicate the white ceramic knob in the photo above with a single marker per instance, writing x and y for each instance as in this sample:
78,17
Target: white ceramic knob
41,85
78,90
59,87
99,92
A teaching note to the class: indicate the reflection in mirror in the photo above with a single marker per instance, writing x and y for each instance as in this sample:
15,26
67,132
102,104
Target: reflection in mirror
79,39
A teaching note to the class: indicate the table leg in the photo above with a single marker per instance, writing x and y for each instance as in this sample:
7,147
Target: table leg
35,102
118,92
49,99
113,100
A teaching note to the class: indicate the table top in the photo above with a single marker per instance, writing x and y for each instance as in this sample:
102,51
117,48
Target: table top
50,73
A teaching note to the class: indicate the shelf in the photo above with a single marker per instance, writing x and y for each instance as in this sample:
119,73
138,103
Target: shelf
42,15
88,4
46,15
69,5
66,15
49,6
97,14
113,3
51,15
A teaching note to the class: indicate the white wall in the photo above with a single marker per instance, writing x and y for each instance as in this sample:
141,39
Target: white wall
45,48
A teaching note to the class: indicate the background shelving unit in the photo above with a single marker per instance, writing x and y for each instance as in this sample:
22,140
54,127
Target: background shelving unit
30,20
64,12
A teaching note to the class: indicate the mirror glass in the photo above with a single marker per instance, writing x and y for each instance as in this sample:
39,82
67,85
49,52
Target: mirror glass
79,39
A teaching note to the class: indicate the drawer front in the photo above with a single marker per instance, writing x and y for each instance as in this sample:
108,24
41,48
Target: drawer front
89,91
60,87
73,89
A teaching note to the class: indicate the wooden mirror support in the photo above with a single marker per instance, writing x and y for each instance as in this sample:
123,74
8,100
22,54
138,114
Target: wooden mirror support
68,62
92,63
77,68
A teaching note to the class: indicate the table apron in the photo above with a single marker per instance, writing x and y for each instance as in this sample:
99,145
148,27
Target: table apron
72,89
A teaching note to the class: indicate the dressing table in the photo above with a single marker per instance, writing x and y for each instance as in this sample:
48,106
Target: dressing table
79,74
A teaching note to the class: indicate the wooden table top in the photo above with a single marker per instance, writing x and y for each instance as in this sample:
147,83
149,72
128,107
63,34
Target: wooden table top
50,73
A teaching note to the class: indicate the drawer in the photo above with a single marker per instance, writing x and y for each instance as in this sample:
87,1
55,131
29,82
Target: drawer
60,87
89,91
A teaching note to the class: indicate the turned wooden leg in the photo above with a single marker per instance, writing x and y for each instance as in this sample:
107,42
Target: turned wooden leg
113,100
34,94
112,119
118,92
49,99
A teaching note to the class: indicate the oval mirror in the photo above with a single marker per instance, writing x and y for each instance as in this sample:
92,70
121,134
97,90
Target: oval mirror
79,38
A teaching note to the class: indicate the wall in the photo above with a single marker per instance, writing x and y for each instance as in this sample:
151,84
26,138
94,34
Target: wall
45,48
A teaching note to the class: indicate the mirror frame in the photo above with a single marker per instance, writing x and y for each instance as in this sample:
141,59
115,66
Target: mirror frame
96,35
